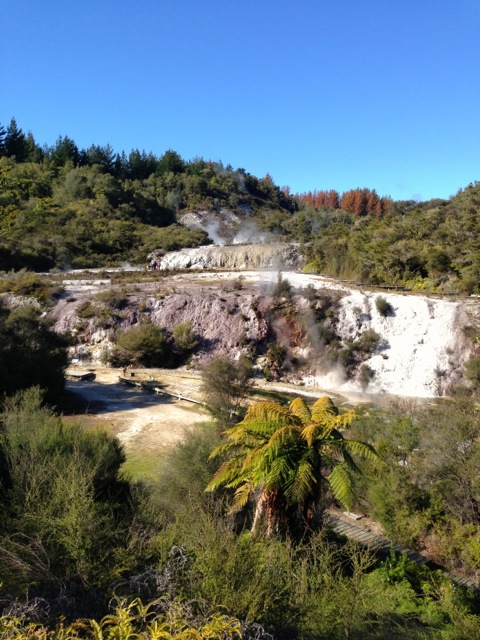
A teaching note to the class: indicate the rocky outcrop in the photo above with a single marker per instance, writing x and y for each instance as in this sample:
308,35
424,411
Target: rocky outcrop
235,257
420,347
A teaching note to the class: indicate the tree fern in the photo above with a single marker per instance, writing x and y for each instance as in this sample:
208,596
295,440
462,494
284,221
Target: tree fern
287,453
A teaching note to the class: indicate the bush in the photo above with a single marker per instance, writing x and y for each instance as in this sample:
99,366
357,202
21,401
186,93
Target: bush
283,288
368,341
27,283
384,308
113,298
366,374
31,353
145,344
226,384
185,339
86,310
63,502
472,370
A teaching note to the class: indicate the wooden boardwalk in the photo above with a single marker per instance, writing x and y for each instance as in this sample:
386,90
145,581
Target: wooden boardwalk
383,546
156,387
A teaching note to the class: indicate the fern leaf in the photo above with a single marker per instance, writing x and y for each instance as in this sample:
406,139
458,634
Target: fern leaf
323,408
342,485
300,409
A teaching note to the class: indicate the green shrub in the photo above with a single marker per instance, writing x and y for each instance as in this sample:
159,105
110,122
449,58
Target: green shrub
226,384
365,375
86,310
472,370
113,298
384,308
63,500
145,344
185,339
283,288
31,353
27,283
368,341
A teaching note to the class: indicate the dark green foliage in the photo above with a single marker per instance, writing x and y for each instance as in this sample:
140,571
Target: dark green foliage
276,355
16,142
145,344
365,375
31,353
65,150
367,341
226,384
3,134
185,339
62,501
283,288
384,308
472,370
170,162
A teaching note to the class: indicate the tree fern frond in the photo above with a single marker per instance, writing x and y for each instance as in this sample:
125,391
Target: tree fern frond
242,494
361,449
303,483
312,431
227,472
278,473
283,434
220,450
349,462
322,408
300,409
342,485
270,412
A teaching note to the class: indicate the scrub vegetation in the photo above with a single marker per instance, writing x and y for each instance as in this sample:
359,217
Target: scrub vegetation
85,550
61,206
231,538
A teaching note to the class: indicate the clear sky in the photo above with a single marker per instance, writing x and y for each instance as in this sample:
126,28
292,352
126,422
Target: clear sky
321,94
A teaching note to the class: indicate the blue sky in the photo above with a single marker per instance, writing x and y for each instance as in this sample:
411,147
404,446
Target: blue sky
320,94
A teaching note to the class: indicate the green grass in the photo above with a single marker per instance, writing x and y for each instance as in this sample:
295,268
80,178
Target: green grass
276,396
142,465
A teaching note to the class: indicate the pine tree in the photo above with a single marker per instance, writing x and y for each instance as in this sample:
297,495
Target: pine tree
16,142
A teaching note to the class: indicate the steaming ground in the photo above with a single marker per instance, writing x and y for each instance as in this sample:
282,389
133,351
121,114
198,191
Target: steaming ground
422,346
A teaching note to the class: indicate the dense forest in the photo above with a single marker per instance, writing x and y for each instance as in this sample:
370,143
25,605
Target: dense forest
61,206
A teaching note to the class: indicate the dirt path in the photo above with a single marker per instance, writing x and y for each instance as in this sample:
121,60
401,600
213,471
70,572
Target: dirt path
146,423
129,411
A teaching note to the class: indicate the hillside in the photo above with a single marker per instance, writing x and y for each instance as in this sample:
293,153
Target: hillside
63,207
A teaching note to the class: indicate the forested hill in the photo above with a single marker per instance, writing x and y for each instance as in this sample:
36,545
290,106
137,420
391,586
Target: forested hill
62,206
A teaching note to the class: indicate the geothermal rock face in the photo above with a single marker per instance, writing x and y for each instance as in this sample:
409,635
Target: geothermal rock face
421,344
235,257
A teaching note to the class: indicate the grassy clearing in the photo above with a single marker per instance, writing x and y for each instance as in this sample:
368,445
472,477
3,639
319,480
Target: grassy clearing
141,465
146,462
